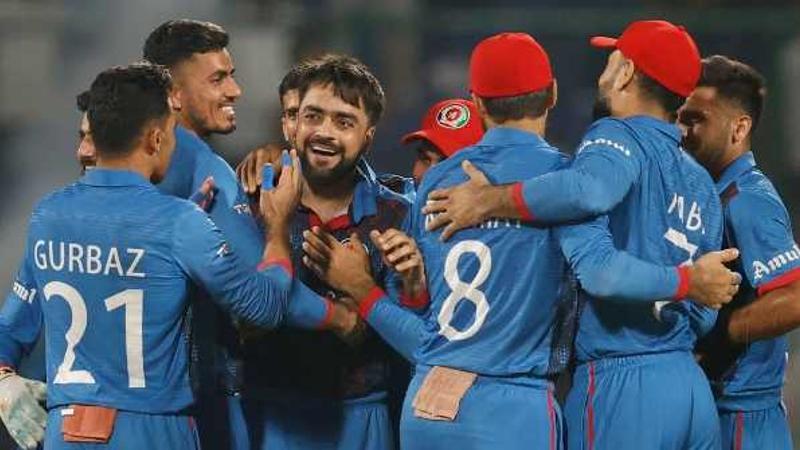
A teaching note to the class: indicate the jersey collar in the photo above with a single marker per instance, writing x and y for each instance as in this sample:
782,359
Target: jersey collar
670,129
737,168
364,203
109,177
497,136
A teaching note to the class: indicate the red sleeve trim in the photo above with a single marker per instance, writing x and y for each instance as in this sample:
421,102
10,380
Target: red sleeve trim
779,282
326,320
683,283
282,262
366,304
419,301
519,202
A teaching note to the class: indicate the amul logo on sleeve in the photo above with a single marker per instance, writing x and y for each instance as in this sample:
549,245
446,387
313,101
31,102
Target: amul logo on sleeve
453,116
760,269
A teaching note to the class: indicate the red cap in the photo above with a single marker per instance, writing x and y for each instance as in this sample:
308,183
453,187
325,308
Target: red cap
450,125
663,51
509,64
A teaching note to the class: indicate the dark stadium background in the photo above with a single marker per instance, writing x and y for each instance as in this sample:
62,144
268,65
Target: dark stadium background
50,50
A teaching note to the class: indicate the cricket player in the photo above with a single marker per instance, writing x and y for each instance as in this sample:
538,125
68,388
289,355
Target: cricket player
448,126
485,348
308,388
106,270
745,355
662,207
206,92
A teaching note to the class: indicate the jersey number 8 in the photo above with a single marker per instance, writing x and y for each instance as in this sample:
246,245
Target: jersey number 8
461,290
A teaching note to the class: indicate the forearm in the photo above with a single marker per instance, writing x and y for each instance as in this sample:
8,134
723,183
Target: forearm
565,196
770,315
277,246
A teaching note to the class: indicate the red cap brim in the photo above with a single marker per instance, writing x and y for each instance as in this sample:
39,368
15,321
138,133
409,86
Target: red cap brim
603,42
421,134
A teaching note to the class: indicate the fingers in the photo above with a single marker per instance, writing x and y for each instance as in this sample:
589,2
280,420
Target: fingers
438,221
439,194
244,173
316,248
736,278
435,206
267,177
208,186
37,389
473,173
727,255
400,253
412,262
315,267
448,231
297,173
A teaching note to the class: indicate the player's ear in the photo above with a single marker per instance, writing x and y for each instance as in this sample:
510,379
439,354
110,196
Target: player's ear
625,74
370,135
154,137
481,107
553,95
741,128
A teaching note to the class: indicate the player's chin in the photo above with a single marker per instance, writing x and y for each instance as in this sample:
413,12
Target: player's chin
226,127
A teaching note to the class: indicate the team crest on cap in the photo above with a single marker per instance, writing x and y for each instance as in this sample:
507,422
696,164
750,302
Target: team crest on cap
453,116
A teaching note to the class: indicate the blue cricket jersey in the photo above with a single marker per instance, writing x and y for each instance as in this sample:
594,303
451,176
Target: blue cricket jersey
313,361
662,207
518,272
757,223
106,270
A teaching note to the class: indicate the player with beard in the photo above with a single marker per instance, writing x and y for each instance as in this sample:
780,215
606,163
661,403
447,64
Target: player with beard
661,207
309,389
745,356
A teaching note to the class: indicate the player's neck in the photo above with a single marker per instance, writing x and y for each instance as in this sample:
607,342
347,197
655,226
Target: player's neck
329,200
731,155
536,126
129,162
189,126
642,107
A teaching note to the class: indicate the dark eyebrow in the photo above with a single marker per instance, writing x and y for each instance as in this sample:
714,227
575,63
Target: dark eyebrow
345,115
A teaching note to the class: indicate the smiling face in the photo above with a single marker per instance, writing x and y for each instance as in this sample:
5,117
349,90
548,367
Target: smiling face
331,135
206,92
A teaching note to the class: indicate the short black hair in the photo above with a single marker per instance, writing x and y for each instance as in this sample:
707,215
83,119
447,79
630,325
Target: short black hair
737,82
352,81
294,77
175,41
655,91
82,101
531,105
122,101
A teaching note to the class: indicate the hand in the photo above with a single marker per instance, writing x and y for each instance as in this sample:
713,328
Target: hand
462,206
344,267
20,411
204,197
249,170
401,253
277,205
710,282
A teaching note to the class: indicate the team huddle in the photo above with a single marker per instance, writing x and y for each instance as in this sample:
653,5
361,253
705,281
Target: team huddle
305,301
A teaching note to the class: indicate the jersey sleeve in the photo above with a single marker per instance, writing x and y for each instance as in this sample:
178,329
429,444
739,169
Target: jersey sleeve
20,317
307,309
255,295
606,272
607,164
400,327
762,231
